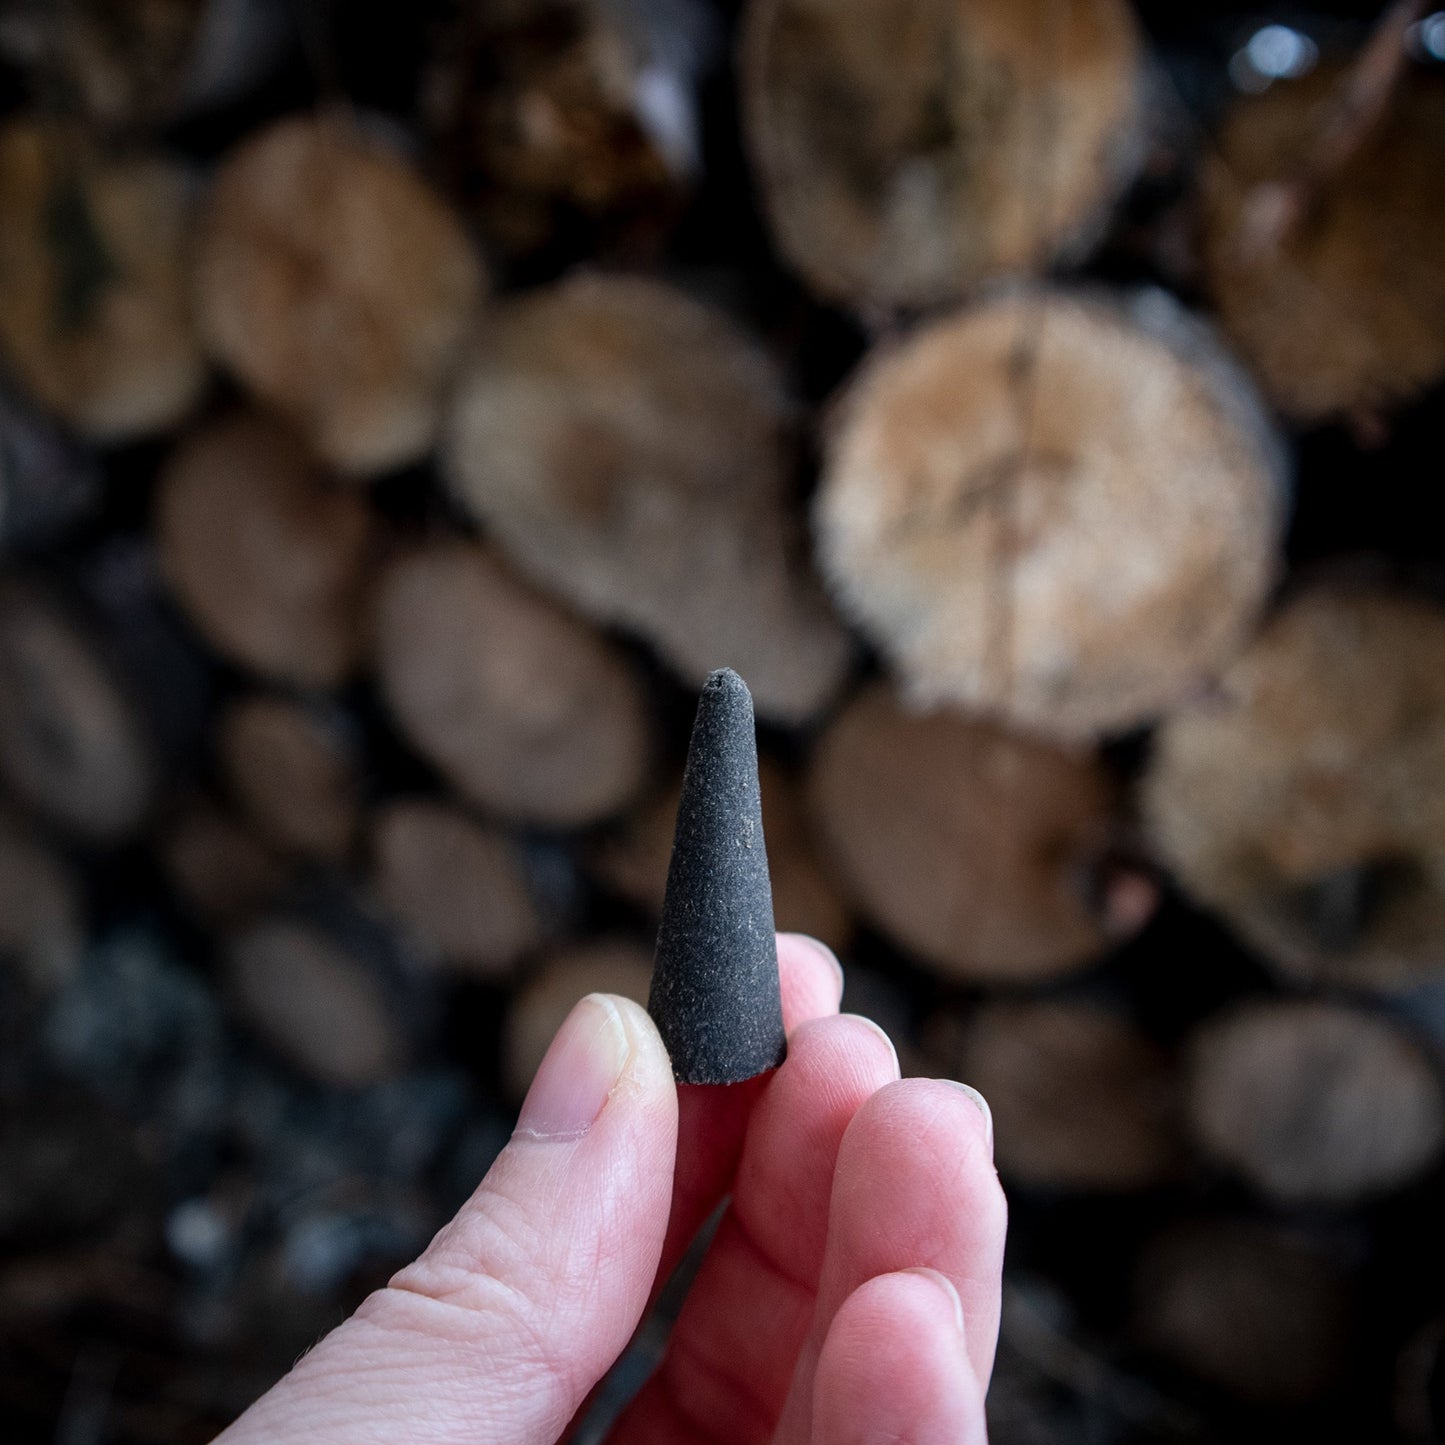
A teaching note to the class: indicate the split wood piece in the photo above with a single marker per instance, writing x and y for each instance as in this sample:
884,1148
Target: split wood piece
95,318
268,561
316,1001
42,909
987,853
561,979
1061,509
520,705
1343,312
1313,1102
220,870
571,124
1081,1099
337,287
293,769
628,446
633,858
47,480
1260,1311
72,746
1302,800
458,886
908,151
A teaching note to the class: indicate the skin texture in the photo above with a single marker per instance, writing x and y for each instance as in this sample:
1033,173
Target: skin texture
851,1294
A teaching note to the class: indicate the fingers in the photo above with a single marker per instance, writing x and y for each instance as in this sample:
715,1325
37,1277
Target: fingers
914,1186
732,1350
522,1302
894,1366
712,1121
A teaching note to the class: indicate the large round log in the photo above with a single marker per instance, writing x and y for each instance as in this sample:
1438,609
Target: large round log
95,314
1062,510
1081,1098
628,447
987,853
72,745
521,706
1314,1102
269,562
909,149
216,866
457,885
1302,801
1340,309
337,287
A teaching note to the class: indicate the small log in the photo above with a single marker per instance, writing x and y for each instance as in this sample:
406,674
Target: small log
987,853
458,886
561,979
908,151
1344,311
72,746
627,446
1301,800
94,295
267,560
293,768
316,1000
216,866
570,124
337,287
521,706
1062,510
47,480
633,858
1081,1099
1254,1309
1314,1102
42,908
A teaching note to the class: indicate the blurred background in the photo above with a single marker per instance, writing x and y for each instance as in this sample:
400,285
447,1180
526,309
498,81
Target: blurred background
404,406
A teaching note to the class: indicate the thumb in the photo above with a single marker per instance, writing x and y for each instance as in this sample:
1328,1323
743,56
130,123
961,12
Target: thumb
519,1305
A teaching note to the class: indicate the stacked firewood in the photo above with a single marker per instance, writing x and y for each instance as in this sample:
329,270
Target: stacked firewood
402,410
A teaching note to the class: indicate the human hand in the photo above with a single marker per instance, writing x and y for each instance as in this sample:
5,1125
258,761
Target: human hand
851,1293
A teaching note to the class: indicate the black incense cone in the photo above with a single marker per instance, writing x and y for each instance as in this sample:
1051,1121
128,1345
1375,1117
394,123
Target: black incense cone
715,995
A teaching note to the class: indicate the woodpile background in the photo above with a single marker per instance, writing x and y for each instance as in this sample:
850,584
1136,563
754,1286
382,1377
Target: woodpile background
404,406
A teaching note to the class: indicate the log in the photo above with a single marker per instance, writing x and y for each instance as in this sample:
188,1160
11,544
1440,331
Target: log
1300,801
293,769
42,908
570,126
544,1001
627,446
1313,1102
986,853
316,1001
1061,509
520,706
908,152
633,858
94,294
1260,1311
47,480
72,746
1343,312
337,287
219,869
268,561
457,885
1081,1099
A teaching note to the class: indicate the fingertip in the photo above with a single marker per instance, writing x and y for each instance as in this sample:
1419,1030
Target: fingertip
810,977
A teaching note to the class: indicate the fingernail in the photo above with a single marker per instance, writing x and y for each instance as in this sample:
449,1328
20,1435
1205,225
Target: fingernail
823,951
983,1109
877,1029
580,1070
946,1285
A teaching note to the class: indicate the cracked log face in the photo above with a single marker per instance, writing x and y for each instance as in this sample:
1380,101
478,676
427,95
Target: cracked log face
908,151
1053,509
1302,801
